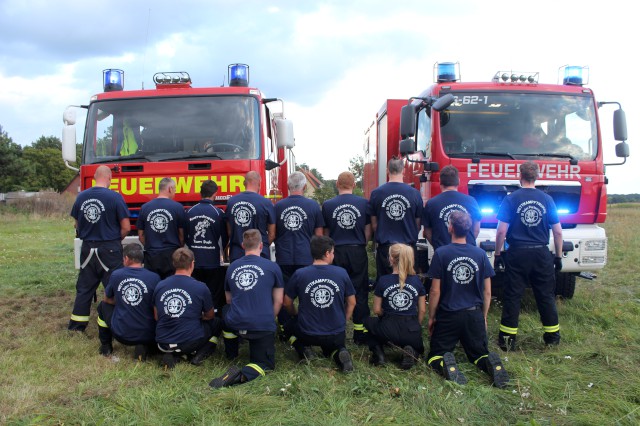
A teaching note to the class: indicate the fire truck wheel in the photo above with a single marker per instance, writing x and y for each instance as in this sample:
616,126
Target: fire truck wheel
565,285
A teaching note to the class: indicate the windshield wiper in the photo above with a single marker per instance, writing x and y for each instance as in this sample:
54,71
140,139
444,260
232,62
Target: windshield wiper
186,156
115,158
546,154
475,154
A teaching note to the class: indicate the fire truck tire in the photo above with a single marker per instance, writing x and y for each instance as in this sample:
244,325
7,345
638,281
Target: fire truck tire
565,285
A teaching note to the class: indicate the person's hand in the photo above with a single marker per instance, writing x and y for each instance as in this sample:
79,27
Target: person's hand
557,264
432,323
498,263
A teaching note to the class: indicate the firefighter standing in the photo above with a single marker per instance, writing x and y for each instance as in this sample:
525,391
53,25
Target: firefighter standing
102,221
395,210
250,210
524,219
400,306
347,223
206,234
161,229
458,306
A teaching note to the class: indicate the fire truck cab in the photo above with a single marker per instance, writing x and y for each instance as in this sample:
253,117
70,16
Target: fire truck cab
185,133
487,129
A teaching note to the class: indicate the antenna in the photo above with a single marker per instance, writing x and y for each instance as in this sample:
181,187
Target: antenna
146,44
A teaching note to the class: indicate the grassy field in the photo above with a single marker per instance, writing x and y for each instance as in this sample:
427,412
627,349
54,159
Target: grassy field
48,376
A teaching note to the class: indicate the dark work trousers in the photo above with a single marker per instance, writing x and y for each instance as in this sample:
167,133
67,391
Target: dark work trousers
533,265
262,349
97,261
105,313
383,267
354,259
214,279
287,272
330,344
211,328
400,330
160,262
465,326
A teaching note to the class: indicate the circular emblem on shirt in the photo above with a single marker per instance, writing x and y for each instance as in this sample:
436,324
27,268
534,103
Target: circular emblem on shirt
531,216
92,209
132,294
346,216
395,210
293,220
400,301
159,221
242,216
247,279
322,296
175,305
446,212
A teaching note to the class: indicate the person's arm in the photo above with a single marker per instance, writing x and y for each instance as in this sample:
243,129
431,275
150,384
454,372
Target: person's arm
227,296
125,227
155,313
501,235
181,236
288,305
141,236
209,314
422,308
109,300
325,232
434,300
318,232
418,221
351,305
557,238
277,294
374,224
476,229
368,233
377,305
428,234
487,299
271,232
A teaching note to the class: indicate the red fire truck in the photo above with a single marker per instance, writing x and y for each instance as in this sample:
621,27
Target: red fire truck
186,133
486,130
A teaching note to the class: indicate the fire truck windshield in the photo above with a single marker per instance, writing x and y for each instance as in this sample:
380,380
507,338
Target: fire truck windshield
172,128
520,125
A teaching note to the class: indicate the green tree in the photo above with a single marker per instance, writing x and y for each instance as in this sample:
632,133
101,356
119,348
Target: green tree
356,166
326,192
45,165
13,168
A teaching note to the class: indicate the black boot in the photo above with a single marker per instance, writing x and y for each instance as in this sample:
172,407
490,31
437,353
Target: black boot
203,353
377,356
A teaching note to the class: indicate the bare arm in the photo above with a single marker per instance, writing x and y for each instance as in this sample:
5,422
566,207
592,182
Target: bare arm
422,308
288,305
271,232
141,236
227,296
476,228
318,232
277,294
109,300
351,304
326,232
155,313
368,233
374,224
487,299
501,235
428,234
208,315
434,300
377,305
557,238
125,227
181,236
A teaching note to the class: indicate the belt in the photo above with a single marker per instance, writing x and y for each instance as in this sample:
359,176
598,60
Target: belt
473,308
527,247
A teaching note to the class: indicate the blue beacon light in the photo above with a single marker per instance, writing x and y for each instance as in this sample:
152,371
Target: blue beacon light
572,76
446,71
112,80
239,75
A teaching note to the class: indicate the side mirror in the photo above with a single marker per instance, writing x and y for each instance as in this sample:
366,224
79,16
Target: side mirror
443,102
407,146
622,150
619,127
69,135
407,121
284,133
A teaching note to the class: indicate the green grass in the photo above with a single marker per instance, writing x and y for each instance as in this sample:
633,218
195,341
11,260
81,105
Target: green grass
48,376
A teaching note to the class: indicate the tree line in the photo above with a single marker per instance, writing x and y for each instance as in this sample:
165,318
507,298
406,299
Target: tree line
36,167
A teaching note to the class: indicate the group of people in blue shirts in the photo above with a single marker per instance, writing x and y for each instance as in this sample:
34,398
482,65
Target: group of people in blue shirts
155,299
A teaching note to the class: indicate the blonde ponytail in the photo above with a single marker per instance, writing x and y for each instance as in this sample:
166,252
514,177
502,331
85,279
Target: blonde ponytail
401,258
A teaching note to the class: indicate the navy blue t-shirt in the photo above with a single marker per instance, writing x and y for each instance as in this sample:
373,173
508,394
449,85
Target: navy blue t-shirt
180,302
461,269
529,213
396,301
205,227
321,291
249,210
251,280
99,211
160,220
133,290
436,215
297,218
396,206
346,217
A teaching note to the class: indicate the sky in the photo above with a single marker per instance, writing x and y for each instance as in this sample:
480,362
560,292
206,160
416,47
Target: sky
334,63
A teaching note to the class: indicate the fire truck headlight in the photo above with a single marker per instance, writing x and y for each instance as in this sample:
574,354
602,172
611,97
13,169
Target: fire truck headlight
239,75
112,80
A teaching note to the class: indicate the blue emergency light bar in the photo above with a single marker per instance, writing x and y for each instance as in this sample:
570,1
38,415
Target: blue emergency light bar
574,75
112,80
239,75
447,71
